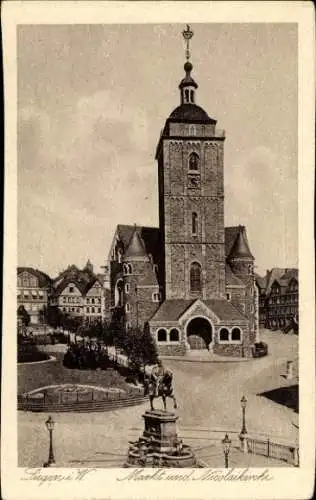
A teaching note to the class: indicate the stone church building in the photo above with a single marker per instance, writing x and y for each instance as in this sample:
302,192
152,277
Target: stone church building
191,280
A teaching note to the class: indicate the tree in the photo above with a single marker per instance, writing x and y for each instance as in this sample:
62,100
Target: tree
23,316
134,350
95,329
149,347
118,332
43,315
54,316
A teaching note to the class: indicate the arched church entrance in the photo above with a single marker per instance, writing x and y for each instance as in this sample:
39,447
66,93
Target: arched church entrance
199,333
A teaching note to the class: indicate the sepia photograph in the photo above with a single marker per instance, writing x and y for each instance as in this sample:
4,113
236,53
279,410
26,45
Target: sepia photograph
157,276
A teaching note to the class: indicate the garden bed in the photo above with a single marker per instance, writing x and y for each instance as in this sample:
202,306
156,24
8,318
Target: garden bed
32,377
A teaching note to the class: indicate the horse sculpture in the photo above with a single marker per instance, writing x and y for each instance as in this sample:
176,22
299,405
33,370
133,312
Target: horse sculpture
165,390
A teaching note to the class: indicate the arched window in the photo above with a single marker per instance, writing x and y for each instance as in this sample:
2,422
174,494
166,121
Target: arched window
118,294
128,308
186,95
127,269
119,255
194,223
194,161
195,277
174,335
162,335
156,297
236,334
192,96
126,287
224,335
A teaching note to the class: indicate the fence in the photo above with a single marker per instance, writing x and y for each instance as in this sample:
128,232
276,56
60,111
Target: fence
62,404
270,449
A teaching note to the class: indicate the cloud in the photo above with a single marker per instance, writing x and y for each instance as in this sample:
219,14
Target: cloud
84,170
260,193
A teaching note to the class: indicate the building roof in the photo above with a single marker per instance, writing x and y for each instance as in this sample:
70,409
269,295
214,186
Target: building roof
80,284
83,279
150,237
135,248
43,279
230,237
191,113
283,276
224,310
261,281
172,310
100,277
240,247
188,81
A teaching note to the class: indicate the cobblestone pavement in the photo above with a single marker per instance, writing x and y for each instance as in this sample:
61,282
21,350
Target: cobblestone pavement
209,398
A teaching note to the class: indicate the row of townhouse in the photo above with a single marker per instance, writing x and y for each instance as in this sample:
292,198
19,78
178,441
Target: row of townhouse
77,292
278,298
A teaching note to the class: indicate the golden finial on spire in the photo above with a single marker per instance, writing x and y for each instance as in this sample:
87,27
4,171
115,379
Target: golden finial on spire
187,35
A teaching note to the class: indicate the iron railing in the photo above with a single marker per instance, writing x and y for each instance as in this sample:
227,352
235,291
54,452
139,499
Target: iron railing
271,449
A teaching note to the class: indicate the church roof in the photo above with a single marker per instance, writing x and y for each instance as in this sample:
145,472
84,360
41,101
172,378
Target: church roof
230,237
188,81
190,112
236,242
135,247
224,310
172,310
150,237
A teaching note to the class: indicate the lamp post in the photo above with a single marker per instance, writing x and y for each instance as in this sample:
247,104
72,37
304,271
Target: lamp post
226,442
50,427
243,403
243,433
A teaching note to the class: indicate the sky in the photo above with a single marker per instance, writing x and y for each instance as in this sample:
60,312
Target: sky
92,100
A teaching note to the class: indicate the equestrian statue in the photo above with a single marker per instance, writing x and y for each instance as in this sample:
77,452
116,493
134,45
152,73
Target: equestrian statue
159,384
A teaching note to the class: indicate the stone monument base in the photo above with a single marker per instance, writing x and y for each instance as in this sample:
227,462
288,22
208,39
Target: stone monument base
159,445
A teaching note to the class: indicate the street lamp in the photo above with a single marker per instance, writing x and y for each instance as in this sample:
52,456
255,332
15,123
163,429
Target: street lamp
50,427
226,447
243,402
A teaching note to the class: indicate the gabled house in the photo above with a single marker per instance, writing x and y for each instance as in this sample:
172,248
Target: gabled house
279,299
33,292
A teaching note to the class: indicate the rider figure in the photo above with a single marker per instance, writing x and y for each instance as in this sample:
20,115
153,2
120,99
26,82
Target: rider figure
157,375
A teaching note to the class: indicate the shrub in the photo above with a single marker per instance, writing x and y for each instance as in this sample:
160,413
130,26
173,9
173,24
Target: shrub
28,353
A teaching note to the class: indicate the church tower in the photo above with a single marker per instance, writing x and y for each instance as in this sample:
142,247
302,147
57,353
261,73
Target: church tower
191,197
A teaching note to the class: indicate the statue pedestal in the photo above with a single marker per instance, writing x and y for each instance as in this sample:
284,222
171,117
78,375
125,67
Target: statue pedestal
159,445
160,430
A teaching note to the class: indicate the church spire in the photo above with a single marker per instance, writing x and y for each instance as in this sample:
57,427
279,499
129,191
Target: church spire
187,85
136,249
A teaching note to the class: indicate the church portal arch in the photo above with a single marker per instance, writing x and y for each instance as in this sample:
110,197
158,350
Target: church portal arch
199,333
